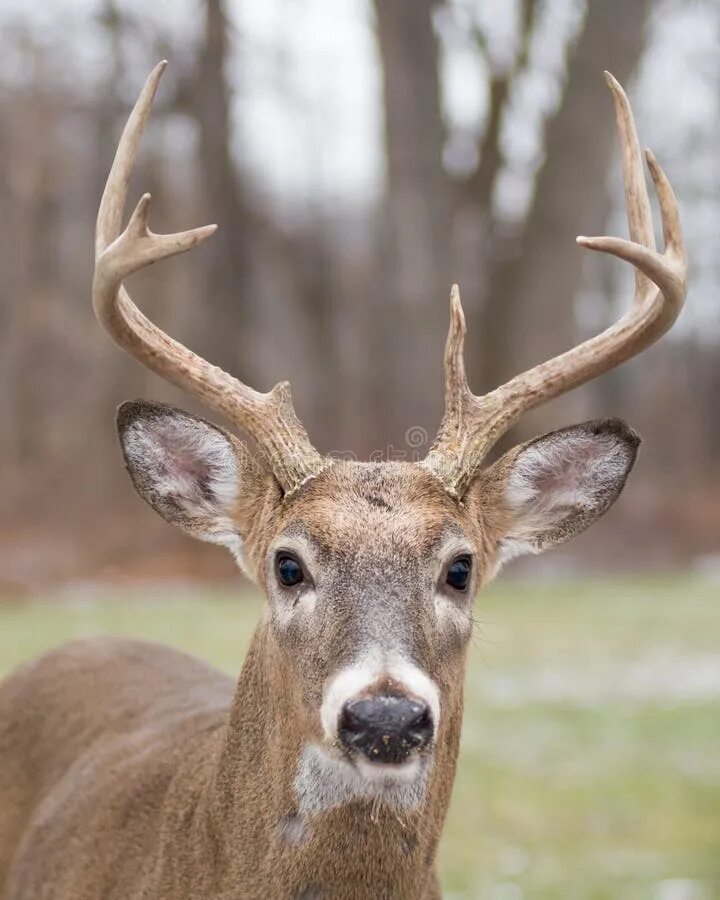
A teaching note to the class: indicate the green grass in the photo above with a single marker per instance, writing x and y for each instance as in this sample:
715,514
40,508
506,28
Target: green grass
590,765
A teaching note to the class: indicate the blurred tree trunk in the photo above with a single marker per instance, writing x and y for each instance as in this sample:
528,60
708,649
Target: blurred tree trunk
222,320
413,272
475,227
533,285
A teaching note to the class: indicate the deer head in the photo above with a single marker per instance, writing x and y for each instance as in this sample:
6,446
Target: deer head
370,569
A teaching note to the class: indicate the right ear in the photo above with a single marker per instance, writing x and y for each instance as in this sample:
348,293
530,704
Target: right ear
555,486
195,475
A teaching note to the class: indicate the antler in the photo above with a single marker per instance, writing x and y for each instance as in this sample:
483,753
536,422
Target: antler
269,418
472,425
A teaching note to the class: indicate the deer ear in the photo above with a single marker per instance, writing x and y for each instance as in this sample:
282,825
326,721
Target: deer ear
552,488
194,474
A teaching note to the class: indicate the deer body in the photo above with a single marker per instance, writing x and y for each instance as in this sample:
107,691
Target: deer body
128,770
158,792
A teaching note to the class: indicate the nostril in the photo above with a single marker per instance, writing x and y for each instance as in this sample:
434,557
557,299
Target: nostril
353,720
420,727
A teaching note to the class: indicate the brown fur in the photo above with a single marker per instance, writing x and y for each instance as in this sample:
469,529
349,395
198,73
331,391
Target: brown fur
130,770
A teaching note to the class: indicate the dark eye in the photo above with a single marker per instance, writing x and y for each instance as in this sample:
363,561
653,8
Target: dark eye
289,570
458,574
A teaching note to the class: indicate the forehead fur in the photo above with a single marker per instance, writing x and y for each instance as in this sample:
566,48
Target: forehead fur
391,499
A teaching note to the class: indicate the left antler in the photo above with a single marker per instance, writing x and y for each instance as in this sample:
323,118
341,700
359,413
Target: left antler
269,418
471,424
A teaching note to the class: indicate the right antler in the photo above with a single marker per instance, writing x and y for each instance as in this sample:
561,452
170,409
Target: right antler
269,418
472,425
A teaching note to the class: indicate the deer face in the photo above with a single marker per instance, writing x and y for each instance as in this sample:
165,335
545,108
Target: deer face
370,571
370,577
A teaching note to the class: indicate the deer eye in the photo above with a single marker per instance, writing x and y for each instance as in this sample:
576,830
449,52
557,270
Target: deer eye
289,570
458,573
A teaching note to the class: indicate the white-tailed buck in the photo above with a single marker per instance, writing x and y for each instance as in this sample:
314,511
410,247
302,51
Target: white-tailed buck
129,770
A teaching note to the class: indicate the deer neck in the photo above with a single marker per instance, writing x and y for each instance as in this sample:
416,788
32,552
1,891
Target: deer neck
268,836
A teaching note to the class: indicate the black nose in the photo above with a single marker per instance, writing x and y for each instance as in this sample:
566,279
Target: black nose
385,729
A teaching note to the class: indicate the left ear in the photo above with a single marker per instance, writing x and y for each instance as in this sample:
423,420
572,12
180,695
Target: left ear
553,487
194,474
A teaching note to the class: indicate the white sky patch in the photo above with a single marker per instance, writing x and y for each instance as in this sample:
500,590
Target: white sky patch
308,123
311,112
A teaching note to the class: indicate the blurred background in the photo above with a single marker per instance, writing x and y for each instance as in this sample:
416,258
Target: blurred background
359,157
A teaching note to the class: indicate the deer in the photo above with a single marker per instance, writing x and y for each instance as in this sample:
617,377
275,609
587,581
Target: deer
131,770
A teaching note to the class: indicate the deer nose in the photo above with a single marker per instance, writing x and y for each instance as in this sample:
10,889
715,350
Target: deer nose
385,729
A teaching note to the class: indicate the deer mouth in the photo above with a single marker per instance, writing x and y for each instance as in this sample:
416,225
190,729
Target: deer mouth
401,772
326,779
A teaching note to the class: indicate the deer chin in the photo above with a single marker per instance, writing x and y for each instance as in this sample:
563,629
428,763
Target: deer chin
390,774
326,780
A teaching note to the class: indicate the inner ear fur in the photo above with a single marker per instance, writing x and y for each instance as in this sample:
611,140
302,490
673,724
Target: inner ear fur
195,474
549,489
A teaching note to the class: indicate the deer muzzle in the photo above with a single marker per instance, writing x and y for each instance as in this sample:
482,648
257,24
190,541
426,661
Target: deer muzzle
381,709
385,729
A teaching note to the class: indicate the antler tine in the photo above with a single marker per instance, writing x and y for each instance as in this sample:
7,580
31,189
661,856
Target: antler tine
112,203
472,425
269,418
637,202
457,392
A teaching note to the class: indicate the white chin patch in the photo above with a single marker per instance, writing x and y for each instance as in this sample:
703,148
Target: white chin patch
388,774
325,782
